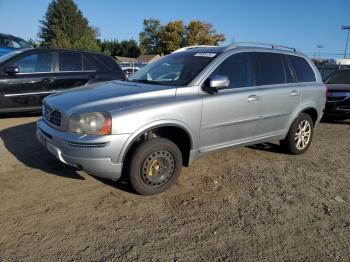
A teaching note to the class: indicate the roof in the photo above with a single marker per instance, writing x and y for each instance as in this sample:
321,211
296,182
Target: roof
237,46
123,59
147,58
61,49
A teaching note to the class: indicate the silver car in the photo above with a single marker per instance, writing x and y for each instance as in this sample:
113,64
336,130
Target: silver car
193,102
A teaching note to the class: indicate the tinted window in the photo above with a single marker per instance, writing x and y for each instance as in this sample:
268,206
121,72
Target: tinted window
269,69
288,70
35,63
103,63
302,69
339,77
88,64
70,61
4,41
238,69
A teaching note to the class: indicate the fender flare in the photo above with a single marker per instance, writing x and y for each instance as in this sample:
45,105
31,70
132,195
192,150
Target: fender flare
150,126
300,110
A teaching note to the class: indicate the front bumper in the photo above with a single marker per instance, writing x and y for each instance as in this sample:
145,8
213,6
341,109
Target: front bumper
338,108
97,155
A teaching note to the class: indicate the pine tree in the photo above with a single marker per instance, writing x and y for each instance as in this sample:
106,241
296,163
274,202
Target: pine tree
65,26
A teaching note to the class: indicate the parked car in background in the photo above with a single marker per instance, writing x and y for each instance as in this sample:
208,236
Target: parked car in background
327,70
338,97
28,76
128,71
9,43
183,106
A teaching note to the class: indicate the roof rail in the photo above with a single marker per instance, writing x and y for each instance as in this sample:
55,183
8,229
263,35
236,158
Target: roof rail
273,46
186,48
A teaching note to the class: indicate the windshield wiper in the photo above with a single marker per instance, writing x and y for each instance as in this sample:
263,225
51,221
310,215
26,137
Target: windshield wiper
145,81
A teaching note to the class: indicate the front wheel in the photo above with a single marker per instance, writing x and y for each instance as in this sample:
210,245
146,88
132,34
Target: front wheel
300,134
155,166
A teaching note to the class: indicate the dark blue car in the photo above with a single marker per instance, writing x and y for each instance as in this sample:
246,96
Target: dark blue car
8,43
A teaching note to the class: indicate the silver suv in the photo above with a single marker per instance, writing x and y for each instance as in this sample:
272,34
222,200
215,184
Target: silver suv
188,104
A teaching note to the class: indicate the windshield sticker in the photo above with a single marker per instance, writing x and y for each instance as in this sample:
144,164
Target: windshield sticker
205,54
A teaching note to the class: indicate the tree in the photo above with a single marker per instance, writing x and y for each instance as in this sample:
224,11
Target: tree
200,33
158,39
173,36
33,42
65,26
151,36
128,48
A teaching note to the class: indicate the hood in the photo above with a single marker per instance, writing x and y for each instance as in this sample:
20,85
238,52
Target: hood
108,96
339,87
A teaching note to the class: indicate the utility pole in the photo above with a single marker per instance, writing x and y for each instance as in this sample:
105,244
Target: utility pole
347,28
319,51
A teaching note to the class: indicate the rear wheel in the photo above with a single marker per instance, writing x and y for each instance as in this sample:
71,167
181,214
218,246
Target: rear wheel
155,166
299,136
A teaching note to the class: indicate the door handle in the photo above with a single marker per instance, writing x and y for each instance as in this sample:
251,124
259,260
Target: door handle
253,98
92,76
48,79
294,93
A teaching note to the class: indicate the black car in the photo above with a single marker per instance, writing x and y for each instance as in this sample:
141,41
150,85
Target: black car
338,97
27,76
327,70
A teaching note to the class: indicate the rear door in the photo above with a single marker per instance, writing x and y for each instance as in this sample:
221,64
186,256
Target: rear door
279,94
26,89
70,71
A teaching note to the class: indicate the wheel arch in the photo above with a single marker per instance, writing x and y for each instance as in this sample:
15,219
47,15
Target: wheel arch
160,125
309,109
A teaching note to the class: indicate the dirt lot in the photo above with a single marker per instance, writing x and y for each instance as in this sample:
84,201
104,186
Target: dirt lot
245,204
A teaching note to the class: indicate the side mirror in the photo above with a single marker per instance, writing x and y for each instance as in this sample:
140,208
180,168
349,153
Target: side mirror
11,70
215,83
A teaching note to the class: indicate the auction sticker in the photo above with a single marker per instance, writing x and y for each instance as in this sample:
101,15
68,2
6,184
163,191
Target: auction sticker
205,54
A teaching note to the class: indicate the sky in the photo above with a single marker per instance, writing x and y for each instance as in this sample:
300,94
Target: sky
303,24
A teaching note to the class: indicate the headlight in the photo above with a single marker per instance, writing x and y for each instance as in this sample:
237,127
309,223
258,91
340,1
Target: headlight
91,124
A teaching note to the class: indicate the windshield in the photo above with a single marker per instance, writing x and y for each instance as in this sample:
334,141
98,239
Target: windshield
339,77
9,55
177,69
20,43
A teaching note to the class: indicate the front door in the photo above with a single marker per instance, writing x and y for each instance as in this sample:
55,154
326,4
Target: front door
26,89
231,116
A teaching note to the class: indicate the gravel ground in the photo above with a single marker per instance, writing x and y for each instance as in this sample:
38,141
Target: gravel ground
248,204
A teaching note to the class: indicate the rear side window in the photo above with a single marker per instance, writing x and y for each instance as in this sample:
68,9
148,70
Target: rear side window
302,69
238,69
88,65
105,64
70,61
269,69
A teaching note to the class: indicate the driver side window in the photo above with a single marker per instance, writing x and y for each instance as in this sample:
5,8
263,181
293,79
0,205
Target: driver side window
35,63
238,69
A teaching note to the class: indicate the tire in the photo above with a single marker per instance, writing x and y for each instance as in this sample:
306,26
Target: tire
291,143
154,166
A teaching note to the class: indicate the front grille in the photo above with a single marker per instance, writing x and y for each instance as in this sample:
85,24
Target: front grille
335,98
87,145
52,116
